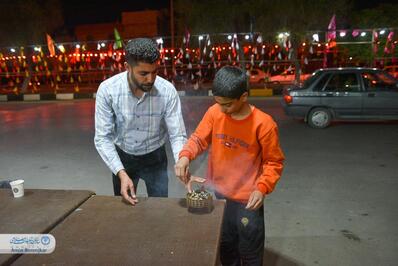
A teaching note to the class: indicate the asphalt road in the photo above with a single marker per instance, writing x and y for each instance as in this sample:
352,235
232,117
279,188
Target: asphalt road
336,203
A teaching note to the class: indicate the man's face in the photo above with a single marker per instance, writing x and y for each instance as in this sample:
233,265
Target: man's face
230,106
142,75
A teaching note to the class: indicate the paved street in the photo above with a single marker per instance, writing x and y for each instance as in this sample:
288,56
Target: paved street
336,203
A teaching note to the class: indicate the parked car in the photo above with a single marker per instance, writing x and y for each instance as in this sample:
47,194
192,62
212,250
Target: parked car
257,76
287,77
343,93
393,70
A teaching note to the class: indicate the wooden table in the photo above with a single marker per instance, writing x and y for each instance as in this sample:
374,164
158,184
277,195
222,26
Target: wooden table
37,212
157,231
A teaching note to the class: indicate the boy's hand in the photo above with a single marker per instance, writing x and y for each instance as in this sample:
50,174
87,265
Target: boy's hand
255,201
181,169
194,179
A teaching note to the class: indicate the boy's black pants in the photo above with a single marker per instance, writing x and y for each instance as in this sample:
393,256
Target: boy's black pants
243,234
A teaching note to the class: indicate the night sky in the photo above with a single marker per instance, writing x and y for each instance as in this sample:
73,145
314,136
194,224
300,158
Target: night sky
88,11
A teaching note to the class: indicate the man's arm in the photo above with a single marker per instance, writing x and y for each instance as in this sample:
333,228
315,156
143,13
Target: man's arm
104,131
175,124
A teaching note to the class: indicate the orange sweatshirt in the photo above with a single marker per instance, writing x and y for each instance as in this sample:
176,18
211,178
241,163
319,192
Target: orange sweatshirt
245,154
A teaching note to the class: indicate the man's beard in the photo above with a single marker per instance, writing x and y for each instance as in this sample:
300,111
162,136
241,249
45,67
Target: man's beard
144,87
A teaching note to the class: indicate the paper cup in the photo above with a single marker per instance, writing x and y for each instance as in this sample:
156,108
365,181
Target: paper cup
17,188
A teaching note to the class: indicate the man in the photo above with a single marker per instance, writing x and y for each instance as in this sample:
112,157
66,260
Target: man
135,113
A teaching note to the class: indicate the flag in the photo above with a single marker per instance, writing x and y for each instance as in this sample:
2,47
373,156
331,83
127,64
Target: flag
118,41
187,37
355,33
50,45
332,29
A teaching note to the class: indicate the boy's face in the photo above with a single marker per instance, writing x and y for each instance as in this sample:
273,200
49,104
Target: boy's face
231,106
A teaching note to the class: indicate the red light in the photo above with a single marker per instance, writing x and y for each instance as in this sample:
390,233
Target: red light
263,46
288,99
276,46
167,50
223,48
172,50
95,55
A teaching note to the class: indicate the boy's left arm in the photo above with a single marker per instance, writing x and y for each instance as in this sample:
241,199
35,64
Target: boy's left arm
272,161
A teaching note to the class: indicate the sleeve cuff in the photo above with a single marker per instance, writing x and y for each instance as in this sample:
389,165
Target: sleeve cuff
185,153
117,169
262,188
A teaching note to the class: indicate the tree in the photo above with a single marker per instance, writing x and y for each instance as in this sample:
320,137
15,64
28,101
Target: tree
266,16
25,22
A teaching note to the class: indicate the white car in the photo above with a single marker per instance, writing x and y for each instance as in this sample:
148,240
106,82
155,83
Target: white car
257,76
287,77
393,70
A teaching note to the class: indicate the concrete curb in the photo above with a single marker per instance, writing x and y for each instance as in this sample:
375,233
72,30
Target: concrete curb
73,96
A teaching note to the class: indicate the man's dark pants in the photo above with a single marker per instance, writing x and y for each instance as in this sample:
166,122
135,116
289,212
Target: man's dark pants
151,167
243,234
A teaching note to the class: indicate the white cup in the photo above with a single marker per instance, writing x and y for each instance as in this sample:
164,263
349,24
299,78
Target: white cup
17,188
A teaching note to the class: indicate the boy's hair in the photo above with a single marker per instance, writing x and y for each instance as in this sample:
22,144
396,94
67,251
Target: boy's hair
230,82
141,50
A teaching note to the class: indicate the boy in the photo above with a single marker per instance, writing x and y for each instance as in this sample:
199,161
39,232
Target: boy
244,165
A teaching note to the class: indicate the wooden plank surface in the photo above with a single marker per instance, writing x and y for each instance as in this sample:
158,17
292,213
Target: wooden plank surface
157,231
36,212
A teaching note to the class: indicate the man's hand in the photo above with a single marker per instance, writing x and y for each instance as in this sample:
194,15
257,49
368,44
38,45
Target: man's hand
255,201
181,169
127,187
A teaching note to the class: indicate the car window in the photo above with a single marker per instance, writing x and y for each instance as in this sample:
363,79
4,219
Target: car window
379,81
311,79
343,82
321,82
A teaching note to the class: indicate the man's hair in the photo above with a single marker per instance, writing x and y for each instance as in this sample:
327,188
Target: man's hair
141,50
230,82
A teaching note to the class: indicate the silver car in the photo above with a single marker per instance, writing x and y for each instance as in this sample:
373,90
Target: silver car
343,94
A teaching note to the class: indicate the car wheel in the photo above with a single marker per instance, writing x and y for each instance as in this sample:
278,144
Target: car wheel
319,118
